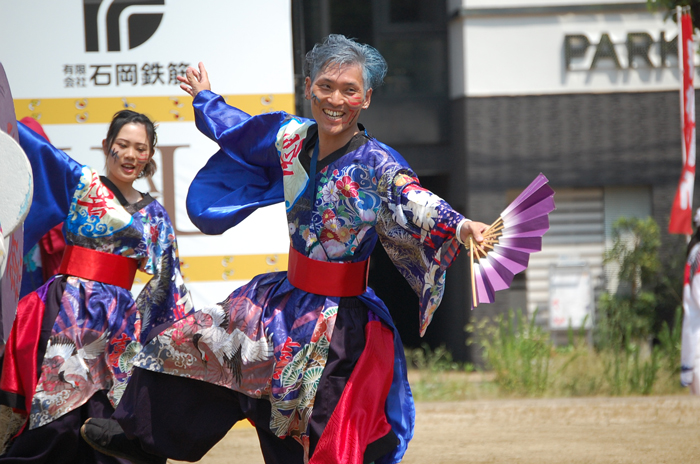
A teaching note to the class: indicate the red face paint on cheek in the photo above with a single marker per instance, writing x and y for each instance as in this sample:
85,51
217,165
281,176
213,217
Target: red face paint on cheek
354,102
350,116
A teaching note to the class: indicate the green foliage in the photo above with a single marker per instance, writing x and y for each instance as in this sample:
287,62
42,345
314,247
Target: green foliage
526,362
626,321
434,376
628,372
635,249
523,362
670,344
426,359
518,351
577,371
629,315
622,319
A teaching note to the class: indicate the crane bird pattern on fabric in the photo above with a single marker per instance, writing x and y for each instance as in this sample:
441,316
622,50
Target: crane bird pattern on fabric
231,349
74,368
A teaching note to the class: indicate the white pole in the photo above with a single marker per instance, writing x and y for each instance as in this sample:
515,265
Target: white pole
681,64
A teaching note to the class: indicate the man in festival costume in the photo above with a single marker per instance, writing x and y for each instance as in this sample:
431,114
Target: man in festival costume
310,356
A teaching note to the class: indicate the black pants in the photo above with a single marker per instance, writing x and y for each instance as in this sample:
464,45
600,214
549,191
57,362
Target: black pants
182,418
59,441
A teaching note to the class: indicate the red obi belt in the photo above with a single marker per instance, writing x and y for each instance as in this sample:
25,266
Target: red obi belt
99,266
327,278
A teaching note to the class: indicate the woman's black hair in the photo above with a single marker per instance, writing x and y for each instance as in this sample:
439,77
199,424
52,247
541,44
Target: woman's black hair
124,117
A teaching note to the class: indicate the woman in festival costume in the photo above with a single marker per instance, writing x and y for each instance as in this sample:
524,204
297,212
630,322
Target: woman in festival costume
690,336
71,349
310,356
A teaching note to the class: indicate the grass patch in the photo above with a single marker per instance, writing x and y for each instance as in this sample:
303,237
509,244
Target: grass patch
435,376
522,361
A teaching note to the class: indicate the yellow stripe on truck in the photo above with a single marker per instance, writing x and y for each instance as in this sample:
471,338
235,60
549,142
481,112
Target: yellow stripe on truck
160,109
223,268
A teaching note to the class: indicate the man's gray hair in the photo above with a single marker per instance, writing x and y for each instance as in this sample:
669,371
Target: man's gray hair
338,50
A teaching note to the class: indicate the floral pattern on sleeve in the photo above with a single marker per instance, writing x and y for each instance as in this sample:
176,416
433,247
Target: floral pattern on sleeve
417,229
371,193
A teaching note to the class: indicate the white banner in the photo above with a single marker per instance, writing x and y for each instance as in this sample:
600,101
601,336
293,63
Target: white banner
72,64
246,46
570,297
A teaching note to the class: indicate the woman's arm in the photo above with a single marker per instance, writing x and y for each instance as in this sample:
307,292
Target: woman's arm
56,177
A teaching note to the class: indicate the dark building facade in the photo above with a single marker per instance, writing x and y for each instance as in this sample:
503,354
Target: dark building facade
481,96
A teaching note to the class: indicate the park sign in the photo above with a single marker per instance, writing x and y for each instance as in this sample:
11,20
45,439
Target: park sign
563,49
640,50
583,52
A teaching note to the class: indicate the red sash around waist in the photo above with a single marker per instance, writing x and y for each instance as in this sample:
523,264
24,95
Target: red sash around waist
99,266
326,278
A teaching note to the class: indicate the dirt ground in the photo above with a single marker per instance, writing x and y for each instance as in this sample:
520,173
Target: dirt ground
639,430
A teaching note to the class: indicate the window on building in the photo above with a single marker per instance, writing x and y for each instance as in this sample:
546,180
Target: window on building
574,247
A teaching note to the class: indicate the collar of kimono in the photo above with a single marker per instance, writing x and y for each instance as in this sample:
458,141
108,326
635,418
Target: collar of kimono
99,266
327,278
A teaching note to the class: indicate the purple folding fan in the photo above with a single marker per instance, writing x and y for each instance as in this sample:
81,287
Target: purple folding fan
509,241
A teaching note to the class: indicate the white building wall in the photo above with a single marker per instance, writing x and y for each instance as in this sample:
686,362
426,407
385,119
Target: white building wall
514,47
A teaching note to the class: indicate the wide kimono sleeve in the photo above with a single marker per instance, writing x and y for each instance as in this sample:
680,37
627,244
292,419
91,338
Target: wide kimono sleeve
417,229
244,174
56,177
164,299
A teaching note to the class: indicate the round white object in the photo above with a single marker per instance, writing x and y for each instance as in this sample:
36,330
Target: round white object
16,184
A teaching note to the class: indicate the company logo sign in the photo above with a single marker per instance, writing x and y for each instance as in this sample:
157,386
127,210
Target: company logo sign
116,25
119,26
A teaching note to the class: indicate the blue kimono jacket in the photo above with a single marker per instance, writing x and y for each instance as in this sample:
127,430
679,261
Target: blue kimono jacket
364,193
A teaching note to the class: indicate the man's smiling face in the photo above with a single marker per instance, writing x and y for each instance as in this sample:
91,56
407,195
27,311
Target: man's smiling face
337,97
